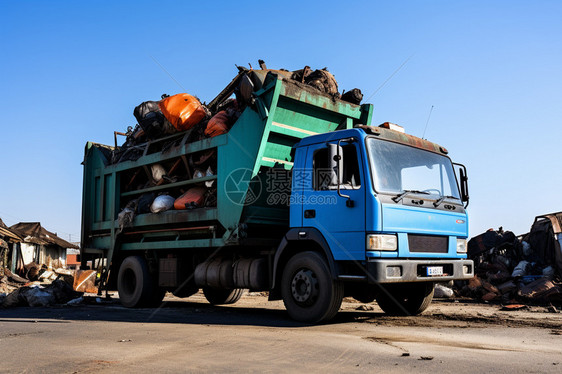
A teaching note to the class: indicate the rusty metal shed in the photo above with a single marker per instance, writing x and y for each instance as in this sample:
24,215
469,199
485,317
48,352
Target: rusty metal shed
33,243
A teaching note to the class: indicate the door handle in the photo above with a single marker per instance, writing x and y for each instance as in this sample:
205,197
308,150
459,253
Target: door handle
309,213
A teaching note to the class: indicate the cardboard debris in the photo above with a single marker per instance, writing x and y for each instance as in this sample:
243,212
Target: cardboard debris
541,288
84,281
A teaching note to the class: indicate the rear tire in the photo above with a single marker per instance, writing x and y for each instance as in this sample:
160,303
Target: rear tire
136,286
407,299
221,296
309,292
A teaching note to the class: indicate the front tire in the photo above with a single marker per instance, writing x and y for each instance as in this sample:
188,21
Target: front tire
308,290
135,284
406,299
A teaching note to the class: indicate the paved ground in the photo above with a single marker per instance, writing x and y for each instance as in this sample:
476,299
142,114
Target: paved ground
257,336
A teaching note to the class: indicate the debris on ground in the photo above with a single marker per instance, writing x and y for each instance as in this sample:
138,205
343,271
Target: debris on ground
365,307
442,291
517,270
14,277
78,300
513,307
58,292
84,281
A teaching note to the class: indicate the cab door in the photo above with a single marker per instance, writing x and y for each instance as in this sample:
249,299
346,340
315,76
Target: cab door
341,223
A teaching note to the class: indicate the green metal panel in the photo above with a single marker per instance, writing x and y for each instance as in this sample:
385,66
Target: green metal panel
97,226
94,162
108,196
260,214
366,114
97,199
265,135
239,154
173,153
173,244
307,95
101,242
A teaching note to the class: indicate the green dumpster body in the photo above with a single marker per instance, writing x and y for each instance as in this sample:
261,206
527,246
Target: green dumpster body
261,140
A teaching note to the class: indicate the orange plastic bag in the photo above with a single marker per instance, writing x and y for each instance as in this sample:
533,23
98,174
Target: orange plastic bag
183,111
217,125
193,198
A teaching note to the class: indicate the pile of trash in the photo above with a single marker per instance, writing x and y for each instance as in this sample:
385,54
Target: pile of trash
176,120
58,292
43,291
185,114
35,272
512,269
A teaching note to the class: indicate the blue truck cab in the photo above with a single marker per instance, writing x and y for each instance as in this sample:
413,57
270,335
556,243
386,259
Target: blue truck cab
388,211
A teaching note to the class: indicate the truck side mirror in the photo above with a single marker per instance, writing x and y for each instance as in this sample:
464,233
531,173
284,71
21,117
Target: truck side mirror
336,169
463,183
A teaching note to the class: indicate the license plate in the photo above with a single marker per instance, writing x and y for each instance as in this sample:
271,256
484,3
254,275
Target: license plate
433,271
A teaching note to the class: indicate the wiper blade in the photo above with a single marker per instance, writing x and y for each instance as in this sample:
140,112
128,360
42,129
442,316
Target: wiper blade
442,198
401,195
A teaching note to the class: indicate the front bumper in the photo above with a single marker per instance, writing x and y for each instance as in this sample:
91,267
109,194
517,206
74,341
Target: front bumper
413,270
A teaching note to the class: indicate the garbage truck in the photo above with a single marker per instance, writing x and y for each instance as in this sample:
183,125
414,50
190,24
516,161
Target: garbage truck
303,197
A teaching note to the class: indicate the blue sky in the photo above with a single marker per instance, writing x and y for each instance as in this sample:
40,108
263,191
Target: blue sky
72,72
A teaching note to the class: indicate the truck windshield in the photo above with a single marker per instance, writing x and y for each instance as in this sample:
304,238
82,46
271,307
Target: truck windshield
397,168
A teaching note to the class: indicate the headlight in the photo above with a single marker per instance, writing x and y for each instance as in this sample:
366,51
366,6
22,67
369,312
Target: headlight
380,242
461,245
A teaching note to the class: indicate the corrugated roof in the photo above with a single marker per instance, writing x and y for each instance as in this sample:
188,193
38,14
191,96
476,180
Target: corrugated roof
33,232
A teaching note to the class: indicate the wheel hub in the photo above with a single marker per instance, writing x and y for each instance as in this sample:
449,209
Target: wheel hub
304,286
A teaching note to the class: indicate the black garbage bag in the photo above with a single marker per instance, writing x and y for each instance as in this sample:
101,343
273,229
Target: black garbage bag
353,96
491,239
150,119
542,238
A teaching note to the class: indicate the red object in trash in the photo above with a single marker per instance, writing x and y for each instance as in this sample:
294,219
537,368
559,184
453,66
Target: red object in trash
510,307
183,111
193,198
217,125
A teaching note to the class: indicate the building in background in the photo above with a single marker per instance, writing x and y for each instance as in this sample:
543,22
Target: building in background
29,243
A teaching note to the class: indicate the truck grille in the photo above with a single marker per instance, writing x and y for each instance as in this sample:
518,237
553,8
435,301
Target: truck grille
428,243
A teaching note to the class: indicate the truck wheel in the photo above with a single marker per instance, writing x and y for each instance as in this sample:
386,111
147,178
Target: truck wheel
135,284
406,299
308,290
220,296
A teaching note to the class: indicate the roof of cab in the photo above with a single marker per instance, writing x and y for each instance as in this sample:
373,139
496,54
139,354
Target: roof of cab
379,132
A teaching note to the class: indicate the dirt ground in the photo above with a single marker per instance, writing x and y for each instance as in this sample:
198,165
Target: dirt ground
254,335
467,313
